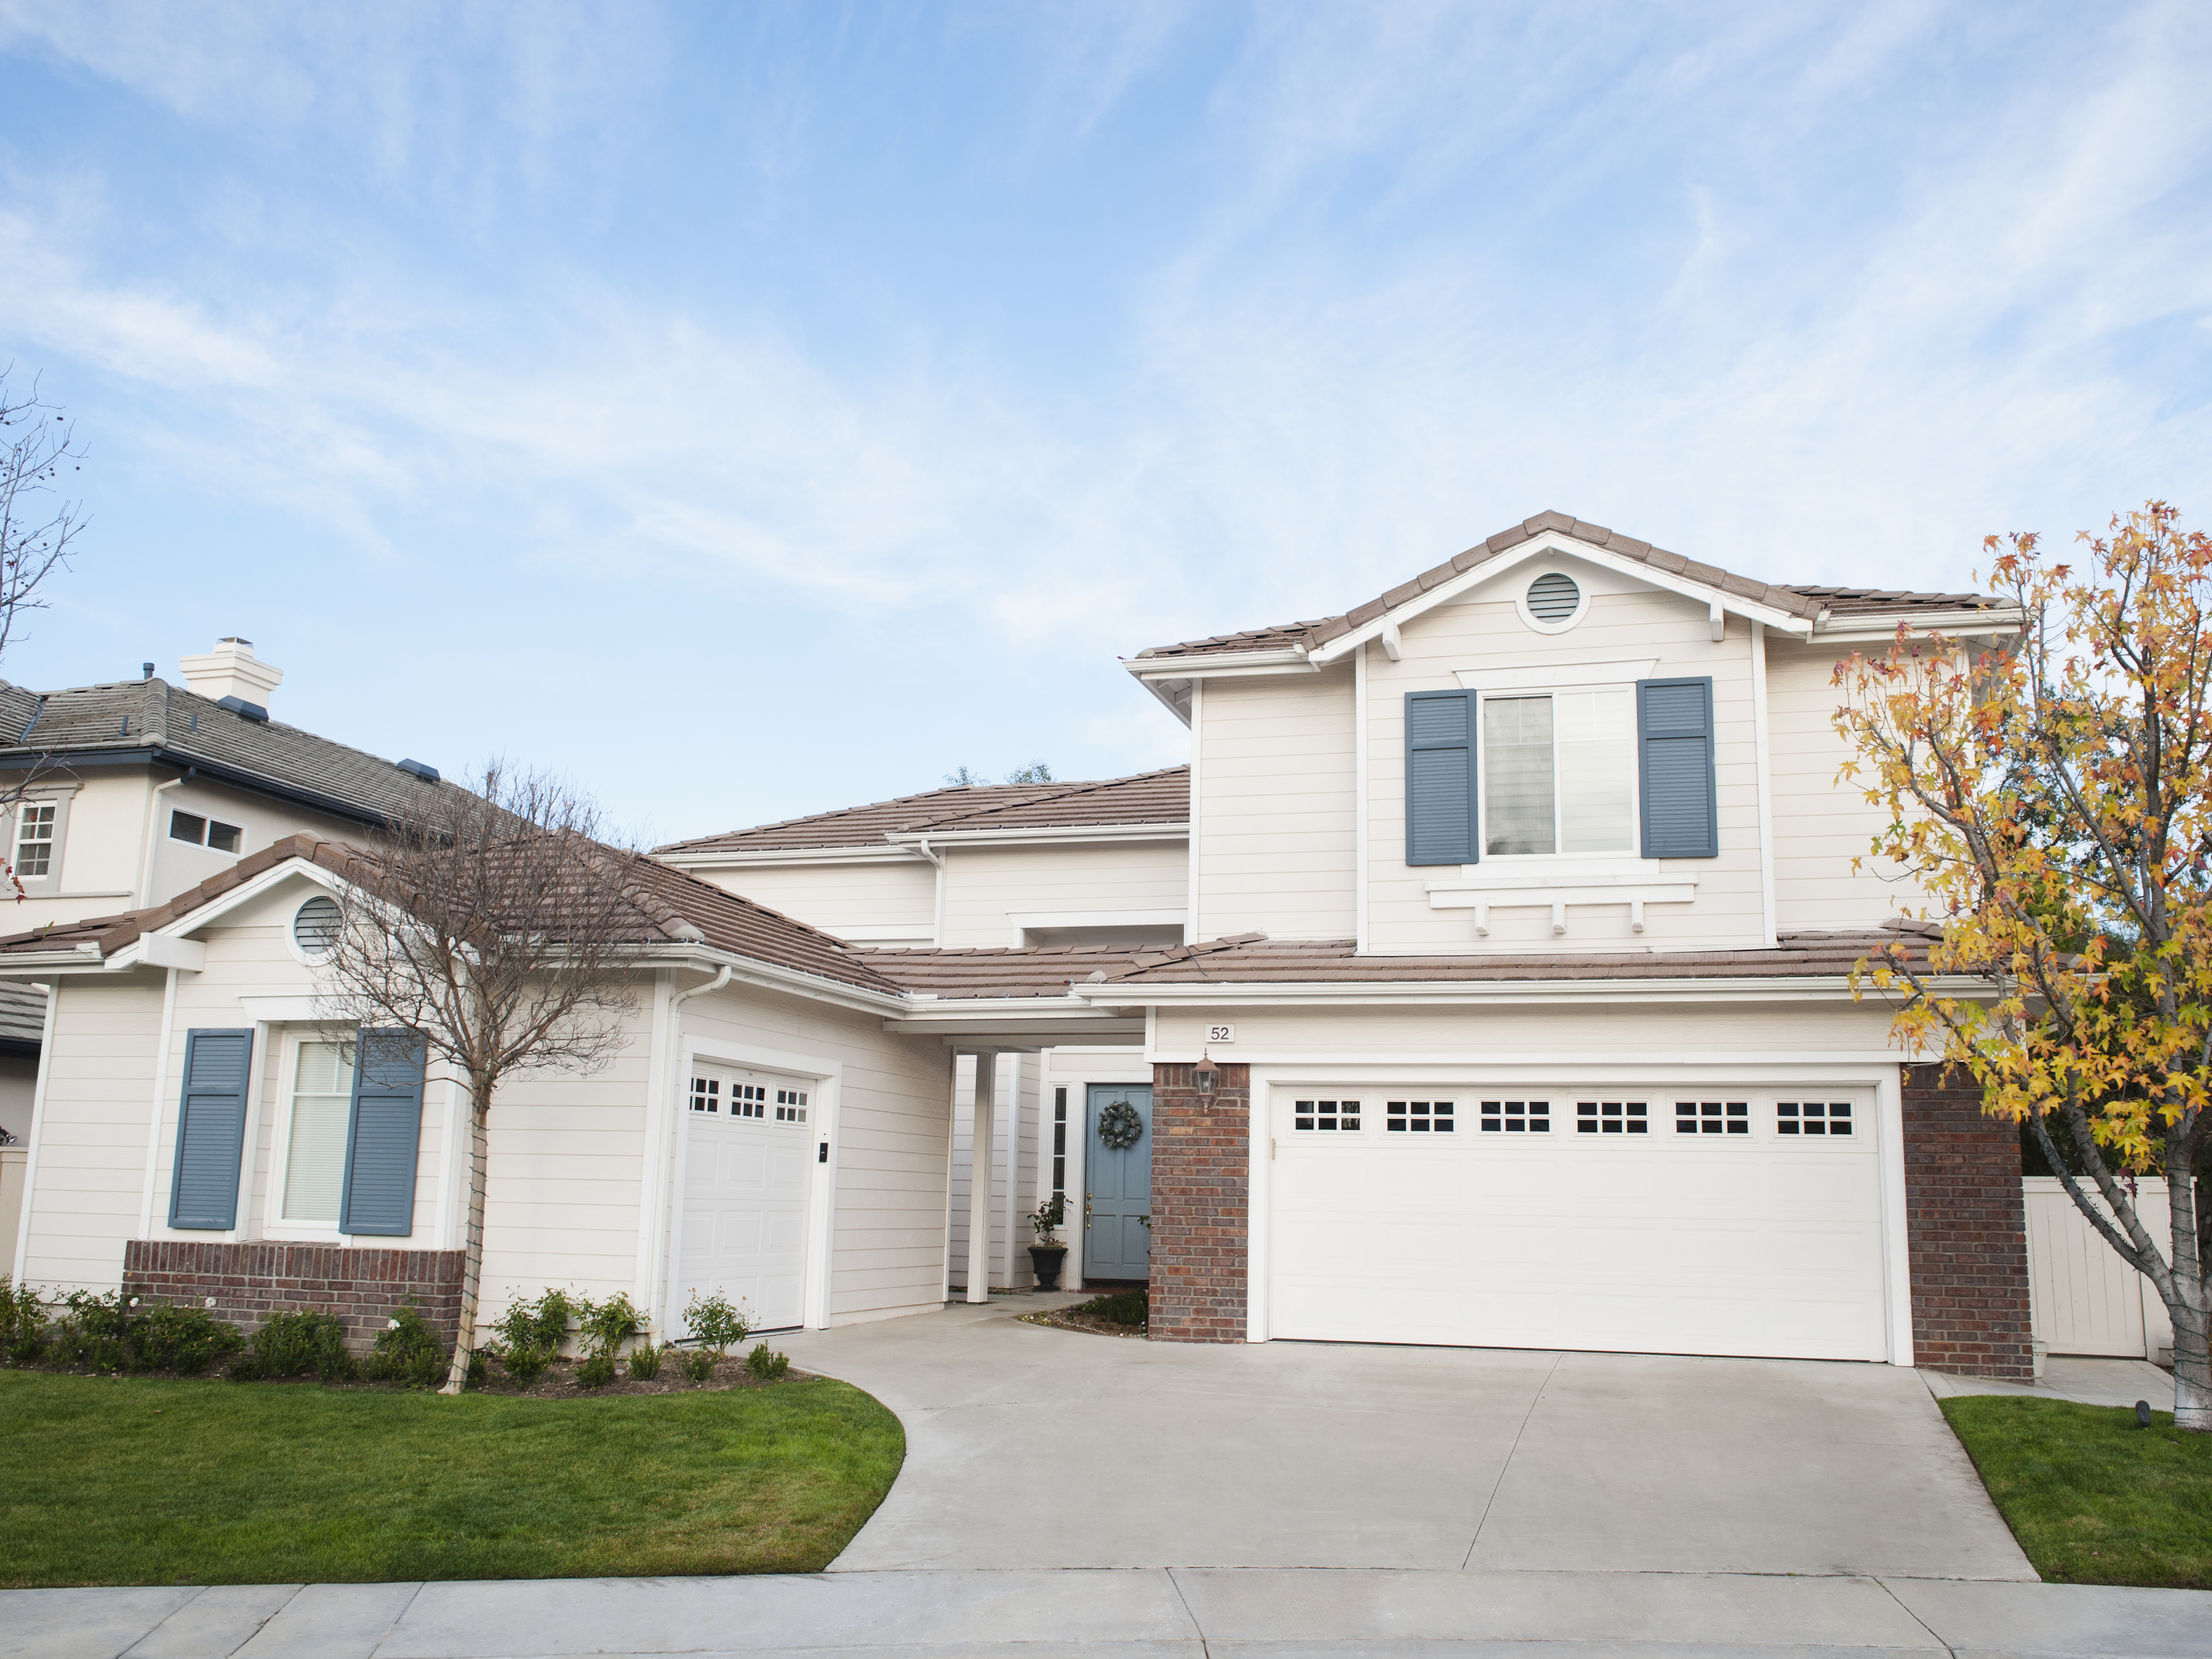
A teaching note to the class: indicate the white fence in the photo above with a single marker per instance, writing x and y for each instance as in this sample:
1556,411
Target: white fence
2083,1298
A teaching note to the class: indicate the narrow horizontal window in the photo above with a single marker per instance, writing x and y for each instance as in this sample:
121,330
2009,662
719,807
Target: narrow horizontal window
1612,1117
1420,1117
1336,1115
1516,1117
1813,1117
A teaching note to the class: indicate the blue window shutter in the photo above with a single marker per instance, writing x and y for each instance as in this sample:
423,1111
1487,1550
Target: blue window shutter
383,1131
211,1130
1440,814
1674,746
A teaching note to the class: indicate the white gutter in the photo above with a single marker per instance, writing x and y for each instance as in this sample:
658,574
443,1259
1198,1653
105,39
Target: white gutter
1208,662
1174,829
1859,625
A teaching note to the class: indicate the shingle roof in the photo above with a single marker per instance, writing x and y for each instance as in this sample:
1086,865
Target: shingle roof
187,729
667,905
1807,602
1255,959
1162,796
23,1014
1007,972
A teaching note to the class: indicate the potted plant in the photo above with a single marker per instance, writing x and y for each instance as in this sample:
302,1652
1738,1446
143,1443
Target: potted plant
1048,1254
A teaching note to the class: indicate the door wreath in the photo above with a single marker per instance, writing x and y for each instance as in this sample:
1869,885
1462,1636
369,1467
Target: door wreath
1119,1127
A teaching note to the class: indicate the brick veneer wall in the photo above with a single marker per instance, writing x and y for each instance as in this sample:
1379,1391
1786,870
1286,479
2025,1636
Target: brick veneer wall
249,1282
1966,1231
1201,1203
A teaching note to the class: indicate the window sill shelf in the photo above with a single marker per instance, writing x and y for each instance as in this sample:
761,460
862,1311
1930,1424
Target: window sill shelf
1531,891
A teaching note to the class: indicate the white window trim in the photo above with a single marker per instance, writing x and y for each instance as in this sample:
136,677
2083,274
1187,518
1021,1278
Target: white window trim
274,1224
1532,572
208,817
58,796
1552,864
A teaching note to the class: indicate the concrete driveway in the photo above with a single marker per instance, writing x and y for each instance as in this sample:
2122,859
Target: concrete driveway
1031,1448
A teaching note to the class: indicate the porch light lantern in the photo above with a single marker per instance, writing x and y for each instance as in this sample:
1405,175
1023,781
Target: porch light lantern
1207,1075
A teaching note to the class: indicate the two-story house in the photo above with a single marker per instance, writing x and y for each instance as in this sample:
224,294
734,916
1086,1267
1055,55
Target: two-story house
1507,1002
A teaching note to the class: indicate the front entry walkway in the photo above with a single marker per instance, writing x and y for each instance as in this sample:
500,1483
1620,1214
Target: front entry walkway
1032,1448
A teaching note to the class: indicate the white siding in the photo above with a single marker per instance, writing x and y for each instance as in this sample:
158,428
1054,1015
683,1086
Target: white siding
836,897
1626,621
986,887
91,1136
1675,1034
1820,824
1275,826
1013,1169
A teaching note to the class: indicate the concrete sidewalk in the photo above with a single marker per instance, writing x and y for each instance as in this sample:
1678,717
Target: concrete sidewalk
1203,1613
2085,1382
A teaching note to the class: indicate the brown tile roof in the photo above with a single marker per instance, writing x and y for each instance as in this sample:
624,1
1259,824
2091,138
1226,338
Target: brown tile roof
1255,959
1806,602
1162,796
186,729
667,906
1008,971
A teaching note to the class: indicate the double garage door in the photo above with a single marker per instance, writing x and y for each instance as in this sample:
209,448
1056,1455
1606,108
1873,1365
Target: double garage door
748,1161
1707,1221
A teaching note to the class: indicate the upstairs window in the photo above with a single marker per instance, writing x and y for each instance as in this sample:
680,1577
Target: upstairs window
35,840
210,833
1561,773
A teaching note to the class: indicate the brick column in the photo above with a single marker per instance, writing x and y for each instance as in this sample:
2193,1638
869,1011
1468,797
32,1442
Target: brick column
1966,1231
1201,1199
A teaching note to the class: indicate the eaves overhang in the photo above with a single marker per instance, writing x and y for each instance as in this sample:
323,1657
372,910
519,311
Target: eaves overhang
1993,623
66,760
1758,988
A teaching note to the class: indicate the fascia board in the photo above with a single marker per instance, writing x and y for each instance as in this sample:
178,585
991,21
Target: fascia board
768,976
1463,993
1198,665
1062,833
1548,545
27,964
868,853
216,908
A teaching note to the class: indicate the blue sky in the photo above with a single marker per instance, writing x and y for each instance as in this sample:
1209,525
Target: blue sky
749,411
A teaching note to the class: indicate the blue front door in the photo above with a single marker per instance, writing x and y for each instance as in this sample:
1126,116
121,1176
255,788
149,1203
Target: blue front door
1116,1242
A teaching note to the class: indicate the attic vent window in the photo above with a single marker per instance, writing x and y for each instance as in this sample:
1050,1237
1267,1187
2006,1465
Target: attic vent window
1554,596
315,927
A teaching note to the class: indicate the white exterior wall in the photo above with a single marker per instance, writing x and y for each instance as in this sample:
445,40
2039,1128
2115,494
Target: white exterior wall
1275,820
1662,634
988,888
888,1131
1820,825
1013,1169
892,901
88,1143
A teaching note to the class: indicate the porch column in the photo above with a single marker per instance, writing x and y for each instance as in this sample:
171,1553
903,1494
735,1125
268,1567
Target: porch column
979,1178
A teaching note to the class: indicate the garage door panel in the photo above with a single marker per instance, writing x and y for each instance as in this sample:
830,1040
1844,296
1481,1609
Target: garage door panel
1734,1243
748,1175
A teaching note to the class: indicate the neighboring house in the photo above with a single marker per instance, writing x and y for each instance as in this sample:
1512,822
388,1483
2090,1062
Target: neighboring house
1521,908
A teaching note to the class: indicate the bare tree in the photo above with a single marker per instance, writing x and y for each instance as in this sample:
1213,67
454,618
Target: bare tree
37,445
494,925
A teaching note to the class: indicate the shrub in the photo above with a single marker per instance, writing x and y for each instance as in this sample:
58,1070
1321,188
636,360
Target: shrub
607,1325
645,1362
596,1371
299,1345
408,1350
107,1333
22,1324
540,1324
525,1365
699,1363
768,1367
1119,1308
717,1322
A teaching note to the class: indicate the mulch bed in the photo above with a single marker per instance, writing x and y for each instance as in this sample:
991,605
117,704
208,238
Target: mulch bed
1068,1320
560,1382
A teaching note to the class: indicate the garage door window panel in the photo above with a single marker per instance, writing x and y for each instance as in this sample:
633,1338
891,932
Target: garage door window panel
1327,1116
1420,1117
1515,1117
1712,1117
1824,1118
1612,1117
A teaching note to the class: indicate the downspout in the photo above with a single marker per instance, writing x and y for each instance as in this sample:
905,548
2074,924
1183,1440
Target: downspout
920,844
152,840
673,1084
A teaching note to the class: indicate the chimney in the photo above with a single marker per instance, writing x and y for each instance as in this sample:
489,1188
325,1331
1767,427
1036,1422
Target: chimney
232,670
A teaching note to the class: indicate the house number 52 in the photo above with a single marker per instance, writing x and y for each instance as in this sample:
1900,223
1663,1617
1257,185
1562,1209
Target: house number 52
1221,1034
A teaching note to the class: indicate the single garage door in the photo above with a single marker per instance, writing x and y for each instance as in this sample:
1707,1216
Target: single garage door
1711,1221
747,1162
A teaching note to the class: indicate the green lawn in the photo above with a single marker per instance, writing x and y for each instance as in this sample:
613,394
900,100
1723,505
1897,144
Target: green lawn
138,1481
2093,1498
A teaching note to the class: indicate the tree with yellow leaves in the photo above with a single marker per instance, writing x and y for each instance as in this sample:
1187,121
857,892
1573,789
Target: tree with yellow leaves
2051,796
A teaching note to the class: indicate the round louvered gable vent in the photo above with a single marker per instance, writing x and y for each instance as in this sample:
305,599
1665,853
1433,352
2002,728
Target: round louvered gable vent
1554,596
315,927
